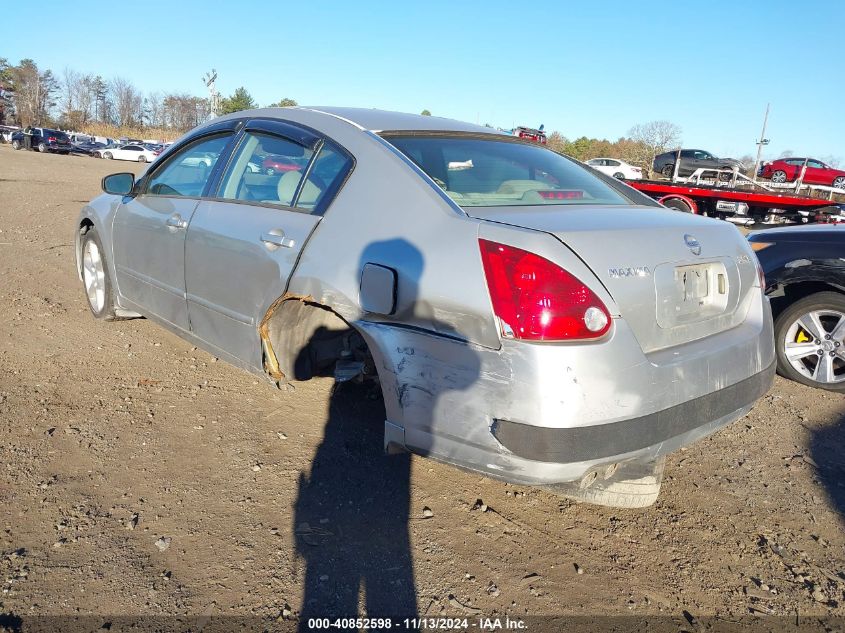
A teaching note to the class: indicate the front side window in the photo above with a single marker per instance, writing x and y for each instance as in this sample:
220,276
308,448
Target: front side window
815,163
186,172
489,172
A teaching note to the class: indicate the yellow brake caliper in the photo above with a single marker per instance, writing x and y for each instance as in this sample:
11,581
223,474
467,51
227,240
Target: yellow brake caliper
802,337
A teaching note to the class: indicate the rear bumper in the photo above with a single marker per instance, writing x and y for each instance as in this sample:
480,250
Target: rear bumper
603,441
544,414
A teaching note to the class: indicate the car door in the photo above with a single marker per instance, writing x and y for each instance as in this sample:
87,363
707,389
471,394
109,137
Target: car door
817,173
613,167
149,231
243,245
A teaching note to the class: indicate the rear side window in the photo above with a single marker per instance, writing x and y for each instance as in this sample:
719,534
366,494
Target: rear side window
187,171
265,169
325,177
482,172
268,169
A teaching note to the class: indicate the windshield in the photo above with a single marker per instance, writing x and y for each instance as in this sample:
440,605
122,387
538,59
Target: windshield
480,172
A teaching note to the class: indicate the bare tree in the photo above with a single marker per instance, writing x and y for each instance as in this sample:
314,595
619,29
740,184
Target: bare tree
34,91
654,138
127,101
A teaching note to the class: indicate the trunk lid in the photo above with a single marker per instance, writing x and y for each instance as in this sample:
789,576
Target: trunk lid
675,277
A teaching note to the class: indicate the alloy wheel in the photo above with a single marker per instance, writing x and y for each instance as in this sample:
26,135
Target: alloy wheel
814,345
94,276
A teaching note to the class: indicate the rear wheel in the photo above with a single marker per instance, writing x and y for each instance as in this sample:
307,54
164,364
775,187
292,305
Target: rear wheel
839,183
142,159
42,147
619,175
779,176
95,277
16,144
107,155
678,205
810,341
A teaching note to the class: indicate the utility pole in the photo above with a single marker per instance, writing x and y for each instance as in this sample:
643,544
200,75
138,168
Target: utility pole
213,96
763,141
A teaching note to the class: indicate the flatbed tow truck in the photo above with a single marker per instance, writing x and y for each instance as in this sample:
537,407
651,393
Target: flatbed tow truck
731,196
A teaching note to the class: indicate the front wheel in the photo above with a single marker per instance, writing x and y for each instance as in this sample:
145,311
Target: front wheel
810,341
107,155
839,183
619,175
95,277
668,170
779,176
142,159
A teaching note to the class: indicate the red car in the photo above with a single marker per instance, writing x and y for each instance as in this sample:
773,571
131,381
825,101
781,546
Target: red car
788,169
279,164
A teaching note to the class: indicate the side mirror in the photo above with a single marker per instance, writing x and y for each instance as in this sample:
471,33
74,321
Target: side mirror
119,184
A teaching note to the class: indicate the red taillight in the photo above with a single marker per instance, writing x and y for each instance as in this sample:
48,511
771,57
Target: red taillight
536,300
51,139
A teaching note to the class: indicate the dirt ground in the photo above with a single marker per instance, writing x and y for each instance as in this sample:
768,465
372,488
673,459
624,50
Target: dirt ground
139,476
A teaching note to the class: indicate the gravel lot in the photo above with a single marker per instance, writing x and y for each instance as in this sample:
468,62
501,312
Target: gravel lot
139,476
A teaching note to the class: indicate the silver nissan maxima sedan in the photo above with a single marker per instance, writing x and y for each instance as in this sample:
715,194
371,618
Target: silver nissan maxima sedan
525,316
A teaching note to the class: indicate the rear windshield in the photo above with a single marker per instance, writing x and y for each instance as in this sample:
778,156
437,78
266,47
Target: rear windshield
61,136
479,172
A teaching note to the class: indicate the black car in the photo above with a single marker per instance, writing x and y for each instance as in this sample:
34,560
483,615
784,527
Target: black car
805,280
44,140
86,148
691,159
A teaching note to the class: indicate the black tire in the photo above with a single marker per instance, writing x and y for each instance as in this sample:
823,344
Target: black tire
668,170
838,183
619,175
142,159
833,301
16,144
42,147
107,155
678,205
106,312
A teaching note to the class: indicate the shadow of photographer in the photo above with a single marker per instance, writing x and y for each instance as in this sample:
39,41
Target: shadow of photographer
352,509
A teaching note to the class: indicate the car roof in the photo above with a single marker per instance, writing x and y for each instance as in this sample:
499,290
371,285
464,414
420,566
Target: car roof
376,120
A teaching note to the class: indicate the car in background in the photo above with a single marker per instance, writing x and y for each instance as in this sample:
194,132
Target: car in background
530,134
134,152
280,164
44,140
85,148
527,317
691,160
805,282
616,168
789,169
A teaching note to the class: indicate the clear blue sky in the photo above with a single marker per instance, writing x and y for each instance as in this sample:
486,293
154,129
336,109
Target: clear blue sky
582,68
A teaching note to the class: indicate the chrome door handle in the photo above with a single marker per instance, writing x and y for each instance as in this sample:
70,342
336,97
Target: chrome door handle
176,222
274,238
